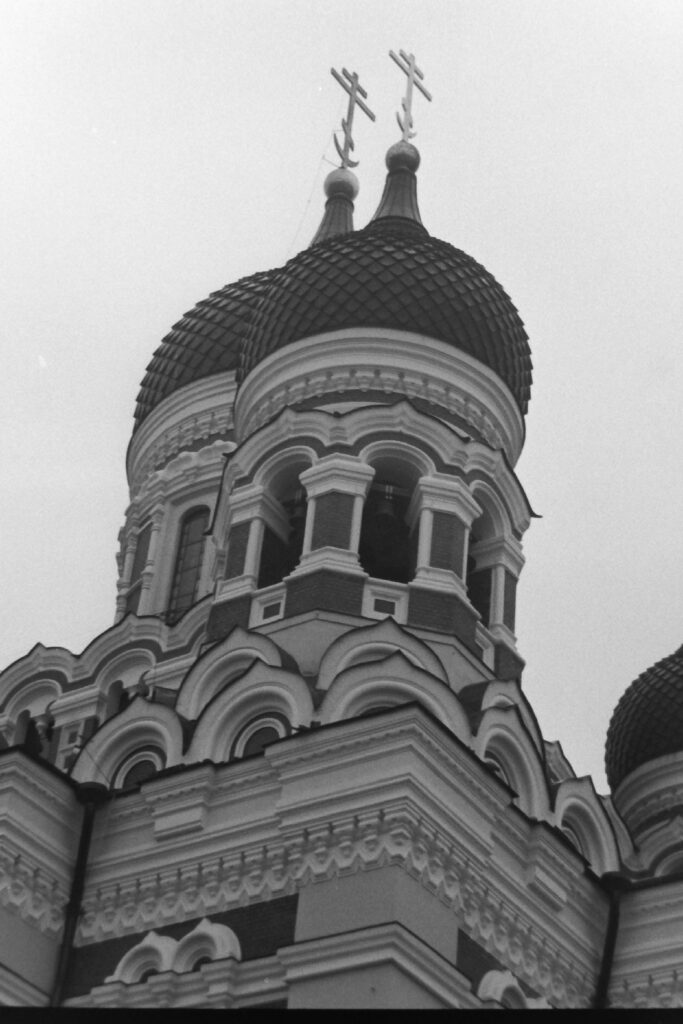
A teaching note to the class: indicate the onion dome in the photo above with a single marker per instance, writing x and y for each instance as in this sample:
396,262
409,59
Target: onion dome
341,188
394,274
648,720
391,274
205,342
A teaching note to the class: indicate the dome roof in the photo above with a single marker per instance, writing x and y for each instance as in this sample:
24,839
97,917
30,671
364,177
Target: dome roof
394,274
391,274
648,720
205,342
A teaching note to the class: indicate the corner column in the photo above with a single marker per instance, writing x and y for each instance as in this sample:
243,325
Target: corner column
336,488
445,510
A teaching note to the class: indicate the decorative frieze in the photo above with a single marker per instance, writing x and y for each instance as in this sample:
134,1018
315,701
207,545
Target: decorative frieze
347,362
366,841
28,890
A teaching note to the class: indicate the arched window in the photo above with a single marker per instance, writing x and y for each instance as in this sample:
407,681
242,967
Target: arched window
199,963
146,975
259,733
479,579
496,767
283,534
388,542
139,767
188,564
139,562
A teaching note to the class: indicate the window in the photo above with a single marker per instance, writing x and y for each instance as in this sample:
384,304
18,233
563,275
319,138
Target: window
281,553
259,733
385,549
188,565
139,562
139,767
479,580
259,740
138,773
199,963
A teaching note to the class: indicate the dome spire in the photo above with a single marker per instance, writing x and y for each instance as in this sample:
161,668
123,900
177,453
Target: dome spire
341,185
399,198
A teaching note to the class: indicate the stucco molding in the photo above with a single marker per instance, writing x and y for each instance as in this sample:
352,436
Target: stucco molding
354,361
28,890
198,411
362,842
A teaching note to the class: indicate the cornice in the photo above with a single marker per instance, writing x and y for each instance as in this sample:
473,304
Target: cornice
368,841
26,889
355,361
199,411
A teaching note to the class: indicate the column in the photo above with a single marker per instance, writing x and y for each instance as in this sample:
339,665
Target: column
336,488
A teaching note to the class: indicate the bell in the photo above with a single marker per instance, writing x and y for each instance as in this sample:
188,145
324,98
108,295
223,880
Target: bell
385,505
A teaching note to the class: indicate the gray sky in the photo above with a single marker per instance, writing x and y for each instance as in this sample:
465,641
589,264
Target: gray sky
154,150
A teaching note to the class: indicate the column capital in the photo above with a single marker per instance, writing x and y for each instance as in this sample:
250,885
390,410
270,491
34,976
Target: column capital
504,551
344,473
447,494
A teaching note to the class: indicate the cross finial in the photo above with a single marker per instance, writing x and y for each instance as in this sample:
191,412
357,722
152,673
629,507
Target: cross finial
355,91
406,62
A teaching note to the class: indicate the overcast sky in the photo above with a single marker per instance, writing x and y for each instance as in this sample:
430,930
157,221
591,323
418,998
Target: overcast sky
154,150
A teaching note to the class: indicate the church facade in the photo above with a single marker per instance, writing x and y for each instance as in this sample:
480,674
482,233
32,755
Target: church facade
300,769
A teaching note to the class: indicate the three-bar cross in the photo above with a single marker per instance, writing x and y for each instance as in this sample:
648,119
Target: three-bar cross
355,91
406,62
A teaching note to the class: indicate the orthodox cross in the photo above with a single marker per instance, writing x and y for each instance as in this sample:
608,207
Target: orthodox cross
355,91
406,62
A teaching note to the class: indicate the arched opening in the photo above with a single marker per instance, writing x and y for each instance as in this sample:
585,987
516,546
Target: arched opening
260,733
259,740
139,562
494,765
146,975
513,999
283,533
574,837
138,768
479,578
388,541
199,963
188,563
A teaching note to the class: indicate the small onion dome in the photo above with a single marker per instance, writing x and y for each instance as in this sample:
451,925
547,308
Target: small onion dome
205,342
393,274
341,188
648,720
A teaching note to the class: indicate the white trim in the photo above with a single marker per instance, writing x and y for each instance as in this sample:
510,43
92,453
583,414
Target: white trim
200,409
355,359
381,944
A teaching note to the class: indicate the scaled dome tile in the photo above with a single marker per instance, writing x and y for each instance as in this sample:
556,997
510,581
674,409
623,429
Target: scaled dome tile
648,720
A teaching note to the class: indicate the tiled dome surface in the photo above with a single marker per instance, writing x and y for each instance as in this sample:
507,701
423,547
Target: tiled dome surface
648,720
206,341
394,274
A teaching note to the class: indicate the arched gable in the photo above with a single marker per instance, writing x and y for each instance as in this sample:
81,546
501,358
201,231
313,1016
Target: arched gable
126,667
579,811
208,939
393,681
153,953
503,738
493,509
508,694
34,698
376,643
140,726
262,691
220,666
